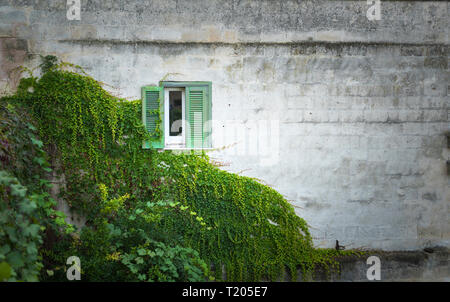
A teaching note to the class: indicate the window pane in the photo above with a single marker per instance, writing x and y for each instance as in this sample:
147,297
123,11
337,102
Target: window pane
175,113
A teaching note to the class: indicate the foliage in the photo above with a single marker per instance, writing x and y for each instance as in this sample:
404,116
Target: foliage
20,237
48,62
155,261
26,209
155,216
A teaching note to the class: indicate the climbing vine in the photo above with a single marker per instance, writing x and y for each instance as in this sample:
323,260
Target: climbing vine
26,208
155,216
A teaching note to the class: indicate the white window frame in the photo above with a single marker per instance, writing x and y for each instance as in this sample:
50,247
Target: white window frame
174,141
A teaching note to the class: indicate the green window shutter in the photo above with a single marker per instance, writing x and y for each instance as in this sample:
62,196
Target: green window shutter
152,99
198,116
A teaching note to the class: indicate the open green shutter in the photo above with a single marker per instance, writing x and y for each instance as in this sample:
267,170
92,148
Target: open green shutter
197,116
152,99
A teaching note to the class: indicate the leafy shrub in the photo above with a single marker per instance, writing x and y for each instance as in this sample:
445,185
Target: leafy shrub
26,209
19,235
156,261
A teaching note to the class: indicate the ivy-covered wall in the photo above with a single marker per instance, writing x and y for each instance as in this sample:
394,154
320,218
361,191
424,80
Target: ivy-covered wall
357,109
149,215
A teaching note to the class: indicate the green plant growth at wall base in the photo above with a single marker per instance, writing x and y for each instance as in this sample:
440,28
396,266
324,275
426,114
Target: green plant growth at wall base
155,216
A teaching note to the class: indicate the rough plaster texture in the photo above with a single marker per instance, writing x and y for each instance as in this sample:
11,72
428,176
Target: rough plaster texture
357,109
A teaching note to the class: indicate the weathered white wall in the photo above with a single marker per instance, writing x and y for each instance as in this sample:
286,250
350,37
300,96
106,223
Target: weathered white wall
358,109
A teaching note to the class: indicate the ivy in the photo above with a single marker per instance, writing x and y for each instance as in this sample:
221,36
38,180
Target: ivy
48,62
26,209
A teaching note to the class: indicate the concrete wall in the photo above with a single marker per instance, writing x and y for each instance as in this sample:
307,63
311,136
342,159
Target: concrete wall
356,109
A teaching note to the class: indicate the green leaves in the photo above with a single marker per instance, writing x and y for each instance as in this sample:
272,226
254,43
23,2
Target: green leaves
39,160
19,236
26,209
18,190
156,261
15,259
36,142
27,206
4,249
32,230
5,271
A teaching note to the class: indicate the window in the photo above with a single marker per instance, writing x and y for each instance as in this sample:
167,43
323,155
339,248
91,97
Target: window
175,120
184,119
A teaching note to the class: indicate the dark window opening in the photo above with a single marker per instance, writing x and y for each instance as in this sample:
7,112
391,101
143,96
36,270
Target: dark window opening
175,113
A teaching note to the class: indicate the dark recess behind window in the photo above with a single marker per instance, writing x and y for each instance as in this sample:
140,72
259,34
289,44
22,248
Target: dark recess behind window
175,113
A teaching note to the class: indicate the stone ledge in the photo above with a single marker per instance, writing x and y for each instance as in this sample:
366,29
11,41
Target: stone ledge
430,264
